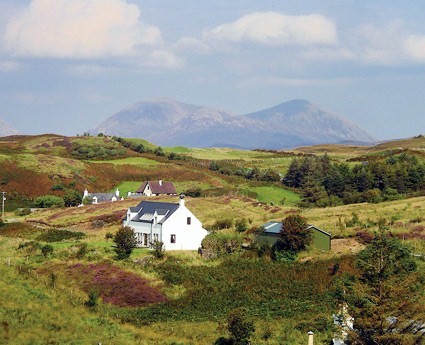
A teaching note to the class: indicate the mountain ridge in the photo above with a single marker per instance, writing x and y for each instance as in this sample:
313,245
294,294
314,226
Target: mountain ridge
168,122
6,129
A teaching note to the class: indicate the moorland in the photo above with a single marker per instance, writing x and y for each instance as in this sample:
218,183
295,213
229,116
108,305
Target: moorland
74,291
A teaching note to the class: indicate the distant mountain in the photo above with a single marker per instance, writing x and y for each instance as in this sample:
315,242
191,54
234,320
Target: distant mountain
6,130
168,122
308,121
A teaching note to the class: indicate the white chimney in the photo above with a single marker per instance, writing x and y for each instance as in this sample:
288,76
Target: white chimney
117,193
181,201
310,338
86,193
160,182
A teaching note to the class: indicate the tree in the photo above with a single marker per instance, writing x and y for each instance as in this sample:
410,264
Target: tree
125,242
240,326
387,299
294,234
49,201
72,198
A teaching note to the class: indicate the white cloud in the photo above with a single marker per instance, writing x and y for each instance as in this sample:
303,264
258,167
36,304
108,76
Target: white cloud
276,29
415,47
78,29
163,59
292,82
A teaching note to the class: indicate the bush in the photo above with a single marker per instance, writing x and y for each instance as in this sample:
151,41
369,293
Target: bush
241,225
222,244
46,250
23,212
240,326
294,235
158,249
225,223
57,235
125,242
49,201
93,299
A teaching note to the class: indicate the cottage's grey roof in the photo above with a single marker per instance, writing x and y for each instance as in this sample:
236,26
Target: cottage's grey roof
158,187
147,209
101,197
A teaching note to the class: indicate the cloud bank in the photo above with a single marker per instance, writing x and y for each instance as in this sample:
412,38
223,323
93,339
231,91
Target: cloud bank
276,29
78,29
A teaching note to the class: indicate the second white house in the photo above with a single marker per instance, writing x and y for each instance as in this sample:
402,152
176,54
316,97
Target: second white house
172,224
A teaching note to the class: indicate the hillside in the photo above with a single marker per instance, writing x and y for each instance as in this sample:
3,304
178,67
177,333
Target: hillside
71,289
168,122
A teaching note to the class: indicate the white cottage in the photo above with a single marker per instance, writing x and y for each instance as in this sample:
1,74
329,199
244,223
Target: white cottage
172,224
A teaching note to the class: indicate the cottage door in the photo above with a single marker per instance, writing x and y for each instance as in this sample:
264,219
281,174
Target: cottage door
145,239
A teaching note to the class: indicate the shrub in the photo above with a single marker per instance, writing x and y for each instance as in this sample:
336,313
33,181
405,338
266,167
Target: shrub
222,244
125,242
23,212
158,249
241,225
46,250
93,299
240,326
49,201
57,235
225,223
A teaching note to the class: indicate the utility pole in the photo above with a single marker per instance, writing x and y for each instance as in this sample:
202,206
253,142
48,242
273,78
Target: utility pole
3,199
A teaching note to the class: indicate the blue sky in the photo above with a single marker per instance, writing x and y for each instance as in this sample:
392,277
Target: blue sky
66,65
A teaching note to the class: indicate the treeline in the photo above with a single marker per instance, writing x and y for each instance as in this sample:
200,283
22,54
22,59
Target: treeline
325,183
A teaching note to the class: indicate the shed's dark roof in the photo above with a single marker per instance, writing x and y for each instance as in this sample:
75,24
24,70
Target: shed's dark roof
146,208
275,227
272,227
165,187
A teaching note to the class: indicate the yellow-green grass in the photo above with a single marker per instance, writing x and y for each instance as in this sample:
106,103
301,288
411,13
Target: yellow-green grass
42,163
178,149
276,195
139,161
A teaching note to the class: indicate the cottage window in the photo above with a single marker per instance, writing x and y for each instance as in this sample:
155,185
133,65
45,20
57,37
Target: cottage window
155,237
189,220
173,239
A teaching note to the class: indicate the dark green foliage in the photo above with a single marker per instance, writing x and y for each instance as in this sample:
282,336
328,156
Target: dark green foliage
30,247
294,235
326,184
193,193
46,250
240,326
102,150
58,186
266,289
23,211
158,249
125,242
93,299
241,225
58,235
109,236
72,198
49,201
224,223
386,300
219,244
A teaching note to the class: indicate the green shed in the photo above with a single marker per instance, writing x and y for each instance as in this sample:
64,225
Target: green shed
271,233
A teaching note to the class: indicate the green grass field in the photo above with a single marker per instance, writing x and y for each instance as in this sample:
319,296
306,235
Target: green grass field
276,195
138,161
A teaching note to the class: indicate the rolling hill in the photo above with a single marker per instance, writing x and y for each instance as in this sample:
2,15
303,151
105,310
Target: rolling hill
6,129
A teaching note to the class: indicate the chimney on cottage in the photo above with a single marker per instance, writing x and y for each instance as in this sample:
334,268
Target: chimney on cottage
181,201
310,338
86,193
160,182
117,193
